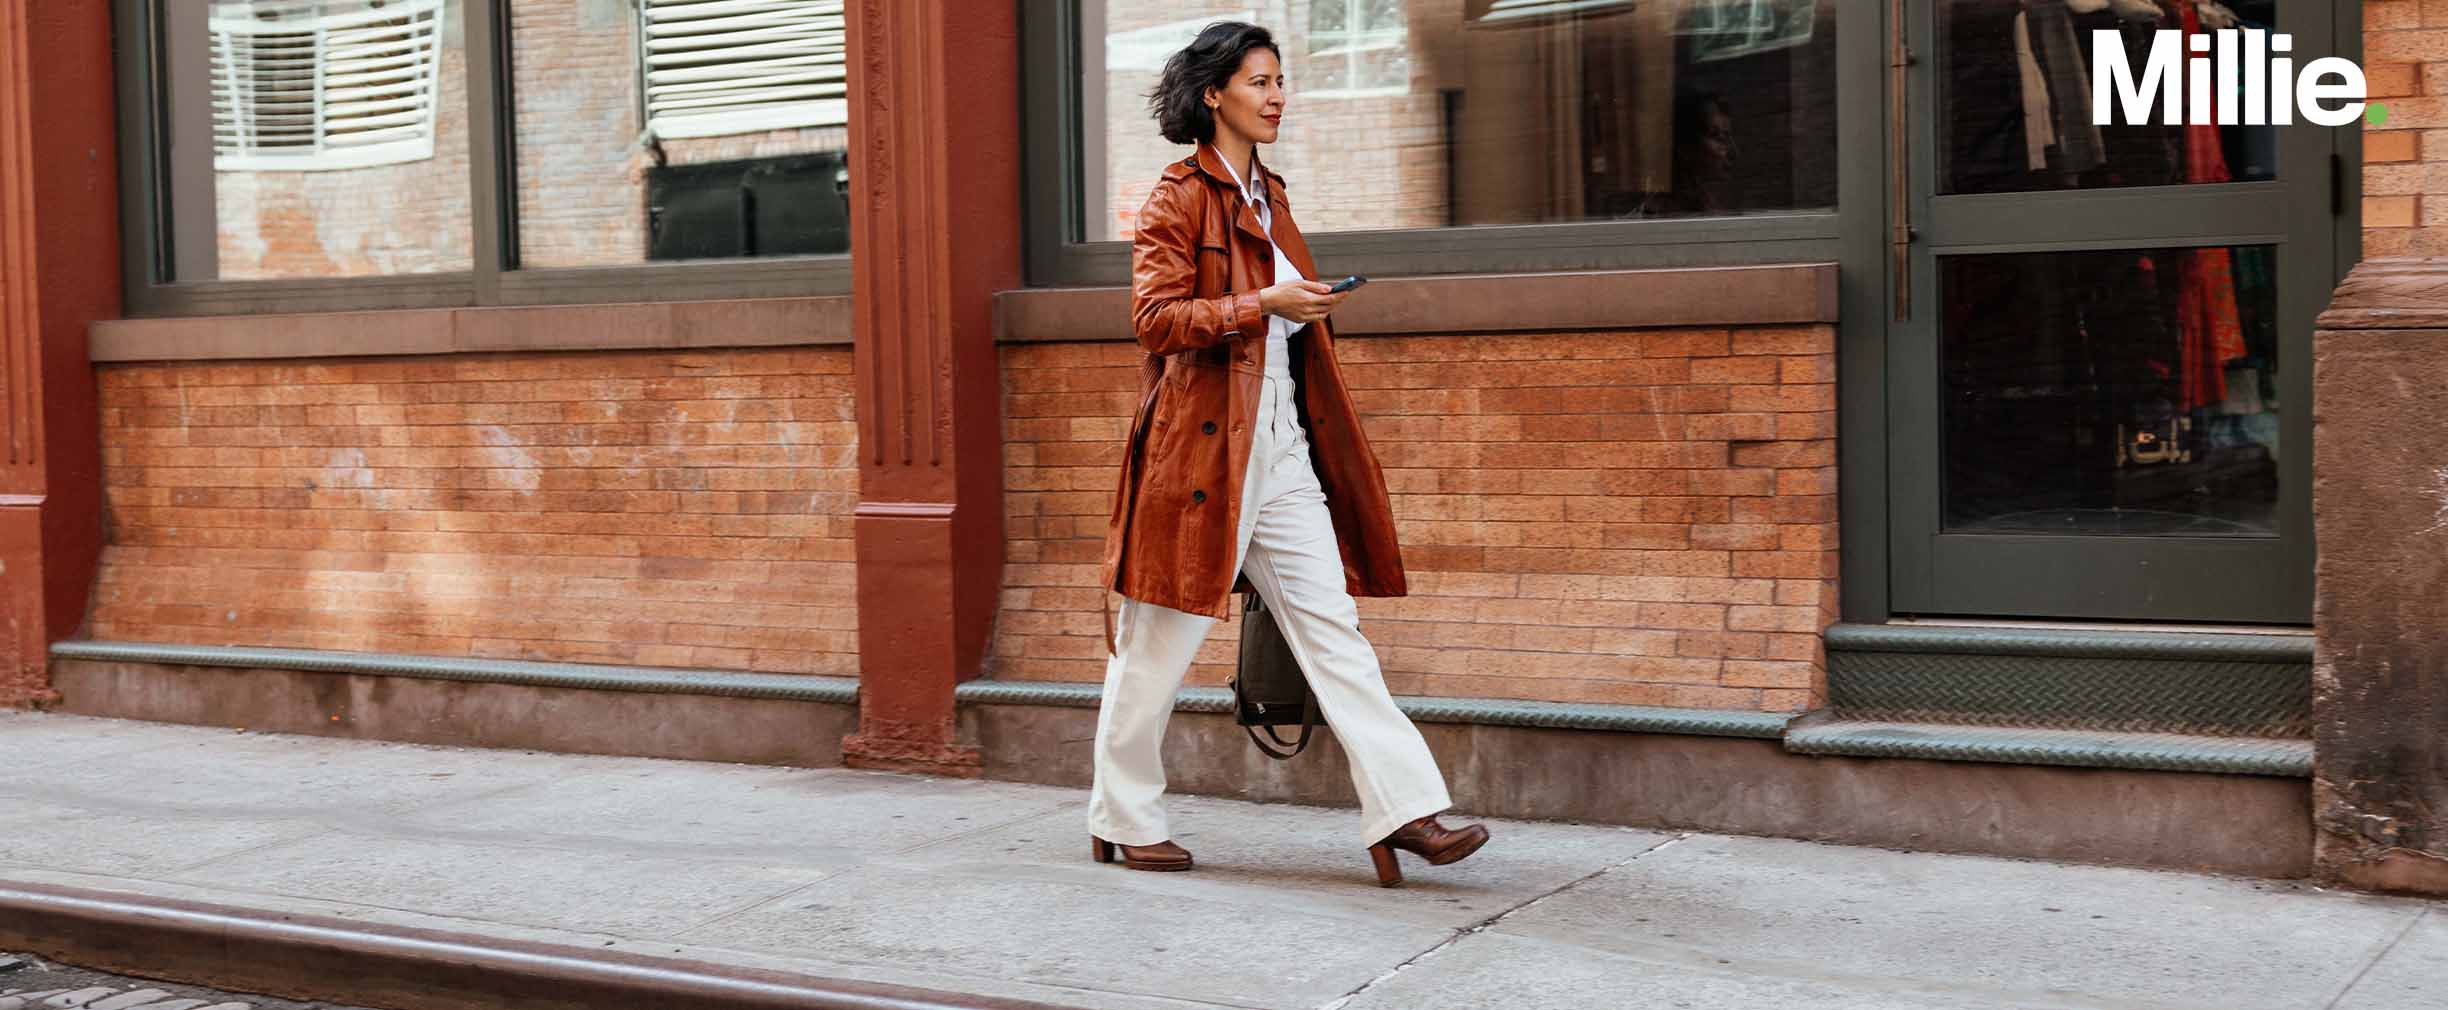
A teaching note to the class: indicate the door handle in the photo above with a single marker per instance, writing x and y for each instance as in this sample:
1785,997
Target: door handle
1900,234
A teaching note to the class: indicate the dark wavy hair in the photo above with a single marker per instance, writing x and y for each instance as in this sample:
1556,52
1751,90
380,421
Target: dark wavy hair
1179,102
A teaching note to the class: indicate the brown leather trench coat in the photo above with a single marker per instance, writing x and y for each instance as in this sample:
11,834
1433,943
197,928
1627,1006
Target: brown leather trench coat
1198,261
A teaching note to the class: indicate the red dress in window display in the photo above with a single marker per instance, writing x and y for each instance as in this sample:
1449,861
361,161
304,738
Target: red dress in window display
2206,317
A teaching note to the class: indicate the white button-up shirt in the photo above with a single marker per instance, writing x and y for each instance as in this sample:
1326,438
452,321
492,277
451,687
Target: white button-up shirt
1279,329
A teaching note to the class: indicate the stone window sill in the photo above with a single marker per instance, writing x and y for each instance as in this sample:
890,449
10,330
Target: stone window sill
748,322
1774,295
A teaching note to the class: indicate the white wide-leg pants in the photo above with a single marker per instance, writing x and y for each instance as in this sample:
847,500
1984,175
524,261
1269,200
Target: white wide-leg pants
1286,544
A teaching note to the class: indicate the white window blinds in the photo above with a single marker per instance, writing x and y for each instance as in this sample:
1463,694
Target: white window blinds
324,84
716,67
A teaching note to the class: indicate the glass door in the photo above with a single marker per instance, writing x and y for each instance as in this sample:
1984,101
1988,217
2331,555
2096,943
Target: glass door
2100,376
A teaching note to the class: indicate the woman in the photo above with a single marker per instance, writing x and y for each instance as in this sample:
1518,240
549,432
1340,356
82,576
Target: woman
1220,492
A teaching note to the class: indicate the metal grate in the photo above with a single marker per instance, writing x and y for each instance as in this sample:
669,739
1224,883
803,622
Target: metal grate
2214,685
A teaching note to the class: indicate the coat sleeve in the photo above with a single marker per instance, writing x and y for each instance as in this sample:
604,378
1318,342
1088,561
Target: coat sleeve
1166,314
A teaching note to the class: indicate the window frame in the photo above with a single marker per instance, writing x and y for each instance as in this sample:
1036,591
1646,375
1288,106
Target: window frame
1350,47
149,222
1059,256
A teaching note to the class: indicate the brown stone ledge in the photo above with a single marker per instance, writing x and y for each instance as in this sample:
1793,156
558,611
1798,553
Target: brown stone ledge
1774,295
460,713
2253,825
745,322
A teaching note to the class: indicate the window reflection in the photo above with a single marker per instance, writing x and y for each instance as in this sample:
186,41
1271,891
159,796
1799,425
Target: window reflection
282,116
2121,392
679,129
2016,98
1430,113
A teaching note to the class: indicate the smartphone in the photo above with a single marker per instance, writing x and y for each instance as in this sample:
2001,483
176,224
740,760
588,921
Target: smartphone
1347,284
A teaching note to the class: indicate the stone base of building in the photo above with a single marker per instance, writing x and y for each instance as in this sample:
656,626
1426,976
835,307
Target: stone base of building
2254,825
457,713
2360,864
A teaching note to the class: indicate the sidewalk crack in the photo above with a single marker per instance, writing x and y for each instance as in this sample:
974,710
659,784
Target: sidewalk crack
1483,925
2348,988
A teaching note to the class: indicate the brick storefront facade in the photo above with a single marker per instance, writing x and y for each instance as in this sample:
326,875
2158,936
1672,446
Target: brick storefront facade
2405,159
1643,517
651,508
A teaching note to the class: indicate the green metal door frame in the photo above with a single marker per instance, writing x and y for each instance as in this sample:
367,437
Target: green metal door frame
1894,562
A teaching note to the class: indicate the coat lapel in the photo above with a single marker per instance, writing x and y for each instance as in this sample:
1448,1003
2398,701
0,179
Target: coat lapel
1212,162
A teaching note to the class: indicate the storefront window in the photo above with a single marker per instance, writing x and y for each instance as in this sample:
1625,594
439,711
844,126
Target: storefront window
2124,392
652,130
1408,114
334,155
2017,99
283,116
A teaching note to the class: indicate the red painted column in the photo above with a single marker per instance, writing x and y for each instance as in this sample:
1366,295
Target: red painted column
59,271
935,232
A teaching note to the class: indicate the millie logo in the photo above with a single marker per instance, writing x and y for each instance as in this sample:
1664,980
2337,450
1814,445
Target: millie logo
2255,83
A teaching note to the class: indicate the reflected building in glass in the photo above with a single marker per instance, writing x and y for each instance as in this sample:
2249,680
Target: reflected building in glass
1433,113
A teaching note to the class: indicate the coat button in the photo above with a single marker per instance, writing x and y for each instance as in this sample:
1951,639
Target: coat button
1208,428
1199,497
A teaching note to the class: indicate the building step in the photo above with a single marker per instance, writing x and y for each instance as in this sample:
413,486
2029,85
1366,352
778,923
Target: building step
2097,681
1827,733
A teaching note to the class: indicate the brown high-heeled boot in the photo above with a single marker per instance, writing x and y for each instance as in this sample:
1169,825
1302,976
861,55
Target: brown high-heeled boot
1163,855
1429,840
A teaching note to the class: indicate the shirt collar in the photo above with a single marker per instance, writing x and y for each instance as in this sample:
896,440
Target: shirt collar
1209,152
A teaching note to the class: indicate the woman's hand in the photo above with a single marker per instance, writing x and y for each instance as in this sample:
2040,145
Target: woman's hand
1300,301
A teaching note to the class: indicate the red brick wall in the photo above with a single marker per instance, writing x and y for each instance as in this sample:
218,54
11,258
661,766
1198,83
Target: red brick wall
2405,192
1638,517
654,508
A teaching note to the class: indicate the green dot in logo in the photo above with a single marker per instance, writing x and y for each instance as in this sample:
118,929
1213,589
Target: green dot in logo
2375,113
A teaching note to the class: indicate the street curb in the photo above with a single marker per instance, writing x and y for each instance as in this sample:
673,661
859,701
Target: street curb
298,956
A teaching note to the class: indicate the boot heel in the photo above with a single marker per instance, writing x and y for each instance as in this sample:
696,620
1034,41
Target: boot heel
1100,849
1389,872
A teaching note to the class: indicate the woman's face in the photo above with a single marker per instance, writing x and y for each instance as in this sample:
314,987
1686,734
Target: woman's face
1252,103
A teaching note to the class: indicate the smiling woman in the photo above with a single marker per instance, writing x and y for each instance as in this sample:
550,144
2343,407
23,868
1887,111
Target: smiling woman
1239,350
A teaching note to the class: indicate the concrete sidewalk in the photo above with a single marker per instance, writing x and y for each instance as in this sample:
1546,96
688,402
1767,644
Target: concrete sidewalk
986,888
